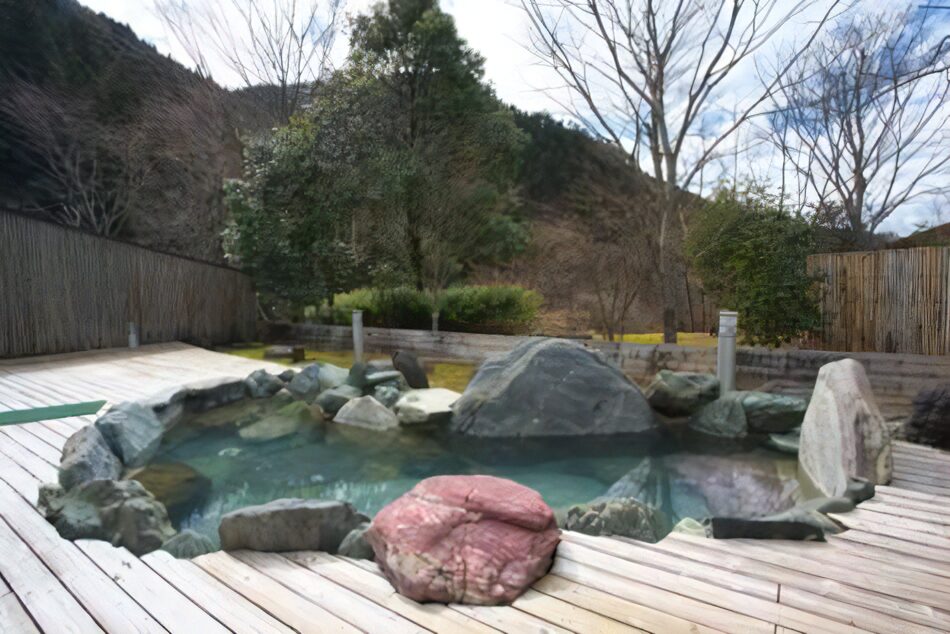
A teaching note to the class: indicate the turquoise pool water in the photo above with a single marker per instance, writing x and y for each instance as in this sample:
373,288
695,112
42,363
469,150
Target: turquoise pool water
370,469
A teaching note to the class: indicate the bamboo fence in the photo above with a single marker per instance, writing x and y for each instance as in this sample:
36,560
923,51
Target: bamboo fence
62,290
885,301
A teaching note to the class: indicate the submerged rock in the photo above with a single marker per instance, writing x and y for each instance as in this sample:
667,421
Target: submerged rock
289,524
681,393
355,546
618,516
188,544
261,384
176,485
87,456
464,539
409,366
844,434
431,406
368,413
645,483
786,443
133,432
930,422
121,512
285,421
551,387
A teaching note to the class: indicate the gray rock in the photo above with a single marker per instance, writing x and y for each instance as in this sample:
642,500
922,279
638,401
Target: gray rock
87,456
306,384
132,432
772,413
333,399
681,393
368,413
724,417
287,375
290,524
379,365
357,375
786,443
118,511
858,490
386,394
690,526
426,407
551,387
388,376
409,366
332,376
188,544
284,422
355,546
261,384
928,424
844,435
212,394
621,516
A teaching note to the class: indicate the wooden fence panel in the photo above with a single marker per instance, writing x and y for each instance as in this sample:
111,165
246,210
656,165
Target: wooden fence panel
62,290
885,301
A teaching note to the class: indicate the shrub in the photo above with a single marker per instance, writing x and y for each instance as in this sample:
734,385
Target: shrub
502,309
497,309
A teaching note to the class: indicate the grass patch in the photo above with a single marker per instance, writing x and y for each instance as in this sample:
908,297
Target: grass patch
689,339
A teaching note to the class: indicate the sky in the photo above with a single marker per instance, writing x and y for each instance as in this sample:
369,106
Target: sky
497,29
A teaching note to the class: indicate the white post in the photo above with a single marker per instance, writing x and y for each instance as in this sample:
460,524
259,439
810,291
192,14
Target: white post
726,353
357,336
435,322
133,335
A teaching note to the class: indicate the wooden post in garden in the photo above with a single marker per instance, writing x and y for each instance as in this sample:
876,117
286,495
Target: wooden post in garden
357,336
726,352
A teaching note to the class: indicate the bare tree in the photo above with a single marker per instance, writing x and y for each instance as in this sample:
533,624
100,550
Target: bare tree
97,171
282,44
645,72
861,119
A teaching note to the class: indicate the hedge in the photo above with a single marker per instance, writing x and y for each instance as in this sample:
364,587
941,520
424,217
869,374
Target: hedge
487,309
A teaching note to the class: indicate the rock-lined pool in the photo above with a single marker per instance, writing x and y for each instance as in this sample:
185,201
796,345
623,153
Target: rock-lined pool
247,453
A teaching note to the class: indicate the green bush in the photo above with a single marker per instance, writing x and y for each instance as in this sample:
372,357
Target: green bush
502,309
496,309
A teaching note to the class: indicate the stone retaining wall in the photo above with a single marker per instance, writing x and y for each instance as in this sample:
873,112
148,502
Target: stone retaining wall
896,378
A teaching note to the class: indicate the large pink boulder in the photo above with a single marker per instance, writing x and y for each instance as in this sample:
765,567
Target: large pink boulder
465,539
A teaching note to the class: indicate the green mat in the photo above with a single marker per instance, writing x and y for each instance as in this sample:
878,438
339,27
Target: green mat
46,413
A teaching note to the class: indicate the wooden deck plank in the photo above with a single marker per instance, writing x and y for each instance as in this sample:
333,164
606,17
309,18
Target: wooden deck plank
908,530
163,601
13,616
936,557
761,609
227,606
32,444
297,612
349,606
902,511
99,595
47,601
378,590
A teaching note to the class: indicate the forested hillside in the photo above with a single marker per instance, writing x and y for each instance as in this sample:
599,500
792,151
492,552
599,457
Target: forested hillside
99,130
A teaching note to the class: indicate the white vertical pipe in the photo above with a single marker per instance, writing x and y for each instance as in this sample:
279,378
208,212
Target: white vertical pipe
726,353
357,336
133,335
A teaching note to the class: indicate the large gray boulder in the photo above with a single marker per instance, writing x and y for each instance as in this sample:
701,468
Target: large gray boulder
681,393
261,384
289,524
122,512
737,414
619,516
355,545
306,384
426,406
551,387
368,413
723,418
844,434
133,432
87,456
409,365
286,421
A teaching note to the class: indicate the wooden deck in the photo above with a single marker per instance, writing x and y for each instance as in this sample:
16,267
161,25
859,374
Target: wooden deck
889,573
